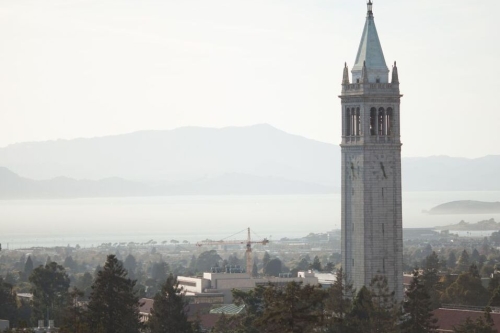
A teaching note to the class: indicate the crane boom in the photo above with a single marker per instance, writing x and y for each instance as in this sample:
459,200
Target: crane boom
248,243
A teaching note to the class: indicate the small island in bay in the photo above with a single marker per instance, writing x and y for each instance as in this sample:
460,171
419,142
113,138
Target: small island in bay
466,207
466,226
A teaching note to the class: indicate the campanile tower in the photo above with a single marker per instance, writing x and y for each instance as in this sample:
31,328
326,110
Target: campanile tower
371,167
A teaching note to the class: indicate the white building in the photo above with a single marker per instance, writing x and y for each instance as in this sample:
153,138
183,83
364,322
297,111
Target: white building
371,167
219,285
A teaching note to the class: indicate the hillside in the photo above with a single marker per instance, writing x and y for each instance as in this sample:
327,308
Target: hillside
15,187
193,154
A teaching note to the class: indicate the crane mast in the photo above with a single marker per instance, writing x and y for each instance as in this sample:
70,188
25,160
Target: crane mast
248,242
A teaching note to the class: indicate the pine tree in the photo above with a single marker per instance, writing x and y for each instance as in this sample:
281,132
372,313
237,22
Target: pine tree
339,302
418,308
316,265
385,308
292,309
495,299
28,268
8,303
430,279
167,315
463,262
452,260
50,286
113,305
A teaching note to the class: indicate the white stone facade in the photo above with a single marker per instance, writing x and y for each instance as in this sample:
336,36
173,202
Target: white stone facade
371,175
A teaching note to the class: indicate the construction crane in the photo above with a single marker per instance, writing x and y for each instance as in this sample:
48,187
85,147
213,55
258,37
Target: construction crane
248,243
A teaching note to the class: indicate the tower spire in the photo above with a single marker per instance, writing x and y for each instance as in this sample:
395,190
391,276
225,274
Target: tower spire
345,79
395,76
364,73
370,51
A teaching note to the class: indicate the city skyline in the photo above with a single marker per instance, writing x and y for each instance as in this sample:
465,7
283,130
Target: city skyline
84,69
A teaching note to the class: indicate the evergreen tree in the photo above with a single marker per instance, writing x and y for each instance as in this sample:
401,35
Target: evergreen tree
292,309
254,307
359,319
338,303
266,259
273,267
255,270
167,315
8,303
223,325
452,260
50,285
130,264
113,305
475,257
28,268
385,308
418,308
495,299
466,290
316,265
430,279
206,260
463,262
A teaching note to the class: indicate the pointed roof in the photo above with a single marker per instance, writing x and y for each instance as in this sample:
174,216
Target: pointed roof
370,50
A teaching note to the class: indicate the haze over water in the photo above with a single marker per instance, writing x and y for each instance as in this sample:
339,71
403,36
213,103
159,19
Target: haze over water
89,222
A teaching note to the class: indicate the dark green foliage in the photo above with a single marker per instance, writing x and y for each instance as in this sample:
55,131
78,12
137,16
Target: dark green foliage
223,325
159,271
463,262
28,268
273,267
8,304
418,310
475,257
206,260
316,264
74,319
495,299
481,325
385,308
84,283
359,319
50,285
339,303
466,290
254,307
430,279
292,309
130,264
167,315
113,306
266,259
255,270
452,260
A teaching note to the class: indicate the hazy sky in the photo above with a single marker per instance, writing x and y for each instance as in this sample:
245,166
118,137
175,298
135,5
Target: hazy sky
83,68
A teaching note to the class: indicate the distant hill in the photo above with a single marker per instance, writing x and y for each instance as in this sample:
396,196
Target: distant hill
188,153
201,155
15,187
482,225
466,207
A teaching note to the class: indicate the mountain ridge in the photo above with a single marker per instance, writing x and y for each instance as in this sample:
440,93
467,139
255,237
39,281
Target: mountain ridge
188,154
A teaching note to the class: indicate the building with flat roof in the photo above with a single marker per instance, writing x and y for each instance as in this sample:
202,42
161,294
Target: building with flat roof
219,285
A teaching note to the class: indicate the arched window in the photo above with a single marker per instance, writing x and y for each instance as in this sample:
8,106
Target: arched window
357,121
348,122
388,117
373,121
381,121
